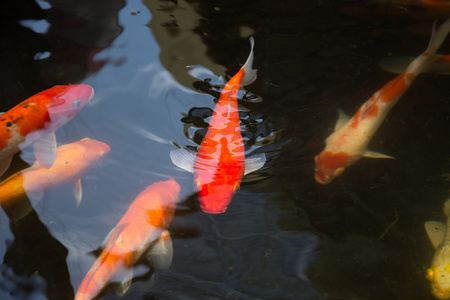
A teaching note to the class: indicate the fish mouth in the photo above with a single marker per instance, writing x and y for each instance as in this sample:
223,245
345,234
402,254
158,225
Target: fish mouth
322,181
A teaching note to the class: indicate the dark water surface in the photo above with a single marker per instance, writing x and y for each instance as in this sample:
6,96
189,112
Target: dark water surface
283,236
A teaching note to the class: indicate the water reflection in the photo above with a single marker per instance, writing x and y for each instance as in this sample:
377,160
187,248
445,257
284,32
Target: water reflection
34,264
54,41
284,237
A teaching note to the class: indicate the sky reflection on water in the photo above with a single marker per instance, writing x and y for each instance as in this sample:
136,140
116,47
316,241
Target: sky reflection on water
283,236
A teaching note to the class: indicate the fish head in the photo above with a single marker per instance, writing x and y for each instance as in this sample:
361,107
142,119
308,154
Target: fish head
439,275
65,101
76,157
94,146
330,165
215,196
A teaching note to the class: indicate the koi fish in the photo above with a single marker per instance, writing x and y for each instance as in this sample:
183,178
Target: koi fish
348,143
72,160
141,230
37,118
439,272
220,163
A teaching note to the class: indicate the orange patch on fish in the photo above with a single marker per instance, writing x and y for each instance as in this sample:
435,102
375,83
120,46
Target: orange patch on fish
155,218
395,88
334,160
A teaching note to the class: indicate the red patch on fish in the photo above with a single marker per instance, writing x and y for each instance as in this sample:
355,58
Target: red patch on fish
42,110
395,88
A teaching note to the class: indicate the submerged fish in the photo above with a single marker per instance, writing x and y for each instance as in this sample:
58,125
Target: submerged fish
37,118
141,230
220,163
348,143
71,162
439,64
439,272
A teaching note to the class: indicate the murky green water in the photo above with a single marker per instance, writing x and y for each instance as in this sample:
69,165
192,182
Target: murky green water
283,236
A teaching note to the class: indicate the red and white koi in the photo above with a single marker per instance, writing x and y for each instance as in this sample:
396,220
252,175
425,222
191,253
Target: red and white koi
72,160
348,143
37,118
220,162
141,230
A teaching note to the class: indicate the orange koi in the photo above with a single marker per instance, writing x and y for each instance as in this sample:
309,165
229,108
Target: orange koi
72,160
37,118
348,143
220,162
141,230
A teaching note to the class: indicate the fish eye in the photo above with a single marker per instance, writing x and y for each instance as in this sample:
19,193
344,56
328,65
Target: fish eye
197,184
76,103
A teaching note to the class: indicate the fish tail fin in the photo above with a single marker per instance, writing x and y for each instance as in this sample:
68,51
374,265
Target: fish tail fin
421,63
438,36
447,207
249,72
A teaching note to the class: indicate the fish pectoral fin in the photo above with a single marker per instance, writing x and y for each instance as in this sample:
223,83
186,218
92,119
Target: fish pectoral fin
342,119
45,150
254,162
250,73
374,154
4,165
202,73
436,232
125,283
35,196
77,191
113,234
160,252
183,158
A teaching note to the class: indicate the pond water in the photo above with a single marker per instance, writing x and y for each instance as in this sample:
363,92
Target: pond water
283,236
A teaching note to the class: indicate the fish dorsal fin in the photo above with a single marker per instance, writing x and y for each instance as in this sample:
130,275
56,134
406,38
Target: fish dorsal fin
45,150
77,191
254,162
342,119
436,232
113,234
374,154
250,74
228,101
4,165
160,252
183,158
